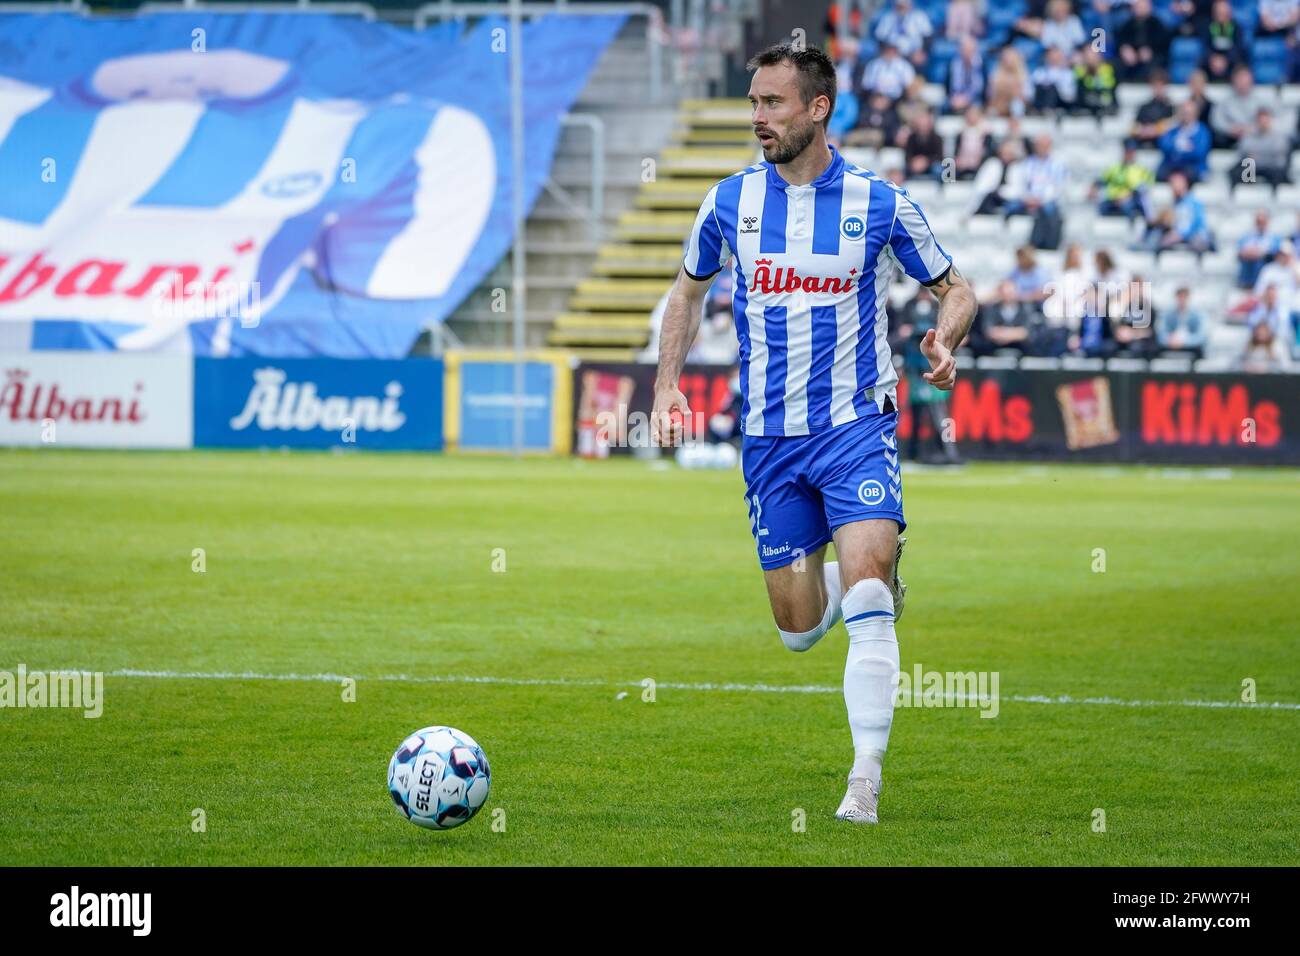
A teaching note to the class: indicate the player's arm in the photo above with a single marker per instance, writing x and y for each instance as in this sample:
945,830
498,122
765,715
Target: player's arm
706,253
919,253
957,306
680,324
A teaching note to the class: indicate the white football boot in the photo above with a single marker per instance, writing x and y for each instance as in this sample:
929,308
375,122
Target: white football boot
859,803
898,588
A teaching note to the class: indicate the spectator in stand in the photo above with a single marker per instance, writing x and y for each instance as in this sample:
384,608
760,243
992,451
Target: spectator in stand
1125,186
1295,236
1009,89
1030,26
1155,115
1262,353
913,102
1143,43
1036,184
1277,18
1096,335
1004,323
965,76
845,115
1062,30
907,29
888,73
1185,147
1225,44
1134,316
1193,16
1029,279
1255,250
1234,115
973,145
1183,226
1064,305
1197,96
853,28
1096,78
1272,313
849,67
1282,274
1107,16
1055,85
963,21
1182,328
1263,155
922,148
990,195
877,124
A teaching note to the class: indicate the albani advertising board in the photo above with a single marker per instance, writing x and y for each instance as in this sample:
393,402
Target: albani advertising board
81,400
318,403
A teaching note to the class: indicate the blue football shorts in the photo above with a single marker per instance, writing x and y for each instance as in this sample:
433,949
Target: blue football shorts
802,488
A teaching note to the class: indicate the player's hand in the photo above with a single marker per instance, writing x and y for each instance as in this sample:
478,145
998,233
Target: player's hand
943,367
668,417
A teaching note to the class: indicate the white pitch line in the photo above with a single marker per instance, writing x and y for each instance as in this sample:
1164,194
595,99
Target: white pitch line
671,685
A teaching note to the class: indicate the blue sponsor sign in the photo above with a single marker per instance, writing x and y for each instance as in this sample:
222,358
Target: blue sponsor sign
318,403
487,405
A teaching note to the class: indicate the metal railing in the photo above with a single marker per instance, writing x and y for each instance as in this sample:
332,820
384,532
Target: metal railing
654,32
594,212
363,10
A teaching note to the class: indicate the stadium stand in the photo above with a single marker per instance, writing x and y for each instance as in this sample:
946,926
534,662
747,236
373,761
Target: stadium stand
647,138
1158,243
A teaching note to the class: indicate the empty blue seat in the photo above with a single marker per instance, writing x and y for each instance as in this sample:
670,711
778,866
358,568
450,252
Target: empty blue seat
1184,56
1268,59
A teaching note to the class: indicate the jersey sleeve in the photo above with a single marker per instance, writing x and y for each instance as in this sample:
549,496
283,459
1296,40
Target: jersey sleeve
706,249
914,245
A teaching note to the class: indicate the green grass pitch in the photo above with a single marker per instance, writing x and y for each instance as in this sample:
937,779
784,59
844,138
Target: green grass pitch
376,566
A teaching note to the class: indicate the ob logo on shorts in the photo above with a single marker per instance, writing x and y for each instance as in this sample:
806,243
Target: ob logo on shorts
853,227
871,493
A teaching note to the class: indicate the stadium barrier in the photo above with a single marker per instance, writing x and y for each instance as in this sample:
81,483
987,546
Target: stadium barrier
374,404
480,401
1017,413
118,400
96,400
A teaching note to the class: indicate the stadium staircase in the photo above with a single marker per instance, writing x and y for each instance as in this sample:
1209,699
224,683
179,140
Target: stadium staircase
593,280
608,315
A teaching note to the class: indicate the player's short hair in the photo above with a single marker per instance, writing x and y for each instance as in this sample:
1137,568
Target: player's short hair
814,71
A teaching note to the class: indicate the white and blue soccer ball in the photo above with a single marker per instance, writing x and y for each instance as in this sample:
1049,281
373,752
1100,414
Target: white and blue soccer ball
439,778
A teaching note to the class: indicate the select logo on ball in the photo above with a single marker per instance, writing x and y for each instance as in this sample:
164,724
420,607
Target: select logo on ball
853,227
871,493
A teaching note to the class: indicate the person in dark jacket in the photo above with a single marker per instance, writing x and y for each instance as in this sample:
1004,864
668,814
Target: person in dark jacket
1143,43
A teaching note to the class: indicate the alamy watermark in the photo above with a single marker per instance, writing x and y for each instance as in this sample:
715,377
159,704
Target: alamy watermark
80,690
922,688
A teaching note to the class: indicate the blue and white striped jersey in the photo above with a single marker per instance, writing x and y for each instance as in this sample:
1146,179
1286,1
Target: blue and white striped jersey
813,266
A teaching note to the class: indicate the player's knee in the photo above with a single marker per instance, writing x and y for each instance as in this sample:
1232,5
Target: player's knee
864,568
800,641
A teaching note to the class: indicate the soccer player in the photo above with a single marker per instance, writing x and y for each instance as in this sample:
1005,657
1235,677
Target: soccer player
815,240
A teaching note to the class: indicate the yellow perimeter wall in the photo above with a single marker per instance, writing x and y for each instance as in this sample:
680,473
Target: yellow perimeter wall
561,394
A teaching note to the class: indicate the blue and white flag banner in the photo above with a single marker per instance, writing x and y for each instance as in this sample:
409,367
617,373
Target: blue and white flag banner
263,184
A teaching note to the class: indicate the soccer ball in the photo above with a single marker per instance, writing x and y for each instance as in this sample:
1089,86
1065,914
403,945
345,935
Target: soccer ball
438,778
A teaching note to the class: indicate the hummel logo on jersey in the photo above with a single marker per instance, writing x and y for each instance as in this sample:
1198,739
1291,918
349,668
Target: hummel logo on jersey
789,280
750,224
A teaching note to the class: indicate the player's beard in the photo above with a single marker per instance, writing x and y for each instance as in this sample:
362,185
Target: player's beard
788,147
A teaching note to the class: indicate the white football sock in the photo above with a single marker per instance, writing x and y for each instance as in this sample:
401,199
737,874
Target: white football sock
870,673
802,641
